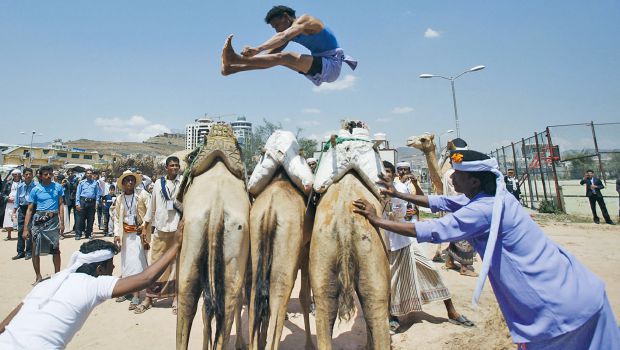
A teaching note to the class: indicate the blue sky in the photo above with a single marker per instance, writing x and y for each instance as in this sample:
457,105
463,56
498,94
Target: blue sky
123,70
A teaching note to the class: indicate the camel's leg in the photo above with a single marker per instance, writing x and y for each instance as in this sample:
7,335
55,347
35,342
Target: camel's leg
239,344
255,237
206,344
189,280
373,292
304,294
236,249
323,279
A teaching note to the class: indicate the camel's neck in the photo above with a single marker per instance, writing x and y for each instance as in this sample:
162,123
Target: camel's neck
433,170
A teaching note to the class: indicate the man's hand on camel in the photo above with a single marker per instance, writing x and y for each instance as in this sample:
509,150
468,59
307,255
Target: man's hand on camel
367,210
179,234
388,187
249,51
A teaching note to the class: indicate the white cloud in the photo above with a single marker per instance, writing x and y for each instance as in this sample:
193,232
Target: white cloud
402,110
311,110
308,123
431,33
384,120
286,120
345,83
135,128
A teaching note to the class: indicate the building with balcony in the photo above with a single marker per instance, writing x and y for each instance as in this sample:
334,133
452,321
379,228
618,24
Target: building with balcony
242,129
196,132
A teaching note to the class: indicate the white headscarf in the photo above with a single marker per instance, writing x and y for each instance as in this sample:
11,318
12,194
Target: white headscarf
498,206
77,259
403,165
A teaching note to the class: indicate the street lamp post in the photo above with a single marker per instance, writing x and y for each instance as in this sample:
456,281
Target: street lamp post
452,79
34,133
439,139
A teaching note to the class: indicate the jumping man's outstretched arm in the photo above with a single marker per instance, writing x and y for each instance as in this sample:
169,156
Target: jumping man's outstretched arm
367,210
303,25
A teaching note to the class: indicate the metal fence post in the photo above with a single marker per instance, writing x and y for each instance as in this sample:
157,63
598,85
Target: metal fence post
527,172
542,176
555,174
504,156
598,154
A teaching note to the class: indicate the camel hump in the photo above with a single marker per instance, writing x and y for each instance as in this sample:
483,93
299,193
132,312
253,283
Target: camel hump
281,151
354,151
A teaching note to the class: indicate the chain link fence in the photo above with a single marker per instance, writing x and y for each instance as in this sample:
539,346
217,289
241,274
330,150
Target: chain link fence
550,164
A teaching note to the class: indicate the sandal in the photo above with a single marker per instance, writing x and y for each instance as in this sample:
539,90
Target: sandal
134,303
121,299
469,273
140,309
462,321
174,309
394,327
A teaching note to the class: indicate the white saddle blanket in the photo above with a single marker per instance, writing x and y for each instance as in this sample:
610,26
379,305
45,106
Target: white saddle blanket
281,149
359,156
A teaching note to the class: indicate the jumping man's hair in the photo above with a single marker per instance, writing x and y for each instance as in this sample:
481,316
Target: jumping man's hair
278,11
91,246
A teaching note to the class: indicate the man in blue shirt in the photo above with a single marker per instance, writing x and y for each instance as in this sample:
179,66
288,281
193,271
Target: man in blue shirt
86,204
593,191
548,298
24,247
321,66
47,220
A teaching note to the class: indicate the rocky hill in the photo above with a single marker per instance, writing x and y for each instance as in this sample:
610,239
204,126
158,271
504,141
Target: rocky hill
161,145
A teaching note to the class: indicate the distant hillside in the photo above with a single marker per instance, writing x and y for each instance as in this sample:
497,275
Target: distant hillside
155,146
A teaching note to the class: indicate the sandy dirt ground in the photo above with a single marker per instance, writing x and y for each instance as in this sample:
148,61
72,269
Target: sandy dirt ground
112,326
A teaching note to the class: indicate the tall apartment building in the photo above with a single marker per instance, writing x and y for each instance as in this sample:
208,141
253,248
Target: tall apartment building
242,129
195,132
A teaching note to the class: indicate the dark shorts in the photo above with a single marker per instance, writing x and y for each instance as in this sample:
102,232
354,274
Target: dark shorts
316,67
45,236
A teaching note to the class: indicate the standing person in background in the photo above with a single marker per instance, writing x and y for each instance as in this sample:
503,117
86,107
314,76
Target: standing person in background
512,184
312,164
163,216
69,197
108,200
618,190
102,192
593,192
63,183
86,200
130,211
10,188
24,246
47,222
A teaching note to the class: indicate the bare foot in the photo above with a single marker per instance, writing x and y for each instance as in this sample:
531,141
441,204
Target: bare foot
229,56
467,272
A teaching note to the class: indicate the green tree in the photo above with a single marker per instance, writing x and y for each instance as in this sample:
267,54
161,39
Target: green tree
580,161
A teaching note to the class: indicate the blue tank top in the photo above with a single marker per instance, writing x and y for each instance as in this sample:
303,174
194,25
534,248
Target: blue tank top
319,42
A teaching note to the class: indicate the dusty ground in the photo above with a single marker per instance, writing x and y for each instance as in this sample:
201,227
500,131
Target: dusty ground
112,326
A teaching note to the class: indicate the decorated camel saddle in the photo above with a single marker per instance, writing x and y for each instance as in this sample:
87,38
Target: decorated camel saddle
219,144
281,150
351,149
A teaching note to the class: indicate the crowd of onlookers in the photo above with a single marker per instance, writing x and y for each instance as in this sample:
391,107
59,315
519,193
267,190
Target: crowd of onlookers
87,197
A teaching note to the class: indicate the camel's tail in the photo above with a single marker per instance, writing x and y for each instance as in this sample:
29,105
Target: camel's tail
212,271
347,267
263,271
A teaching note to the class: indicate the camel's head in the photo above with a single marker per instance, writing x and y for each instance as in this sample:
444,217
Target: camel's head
424,142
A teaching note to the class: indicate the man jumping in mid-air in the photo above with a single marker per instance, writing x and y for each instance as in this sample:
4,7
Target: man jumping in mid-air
322,66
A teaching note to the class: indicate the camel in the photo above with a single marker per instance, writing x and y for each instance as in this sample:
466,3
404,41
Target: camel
348,255
426,144
279,243
215,248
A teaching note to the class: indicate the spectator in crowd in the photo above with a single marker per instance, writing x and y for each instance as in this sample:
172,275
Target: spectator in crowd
593,191
10,191
24,246
108,200
44,211
70,188
100,178
85,202
163,216
312,164
512,184
618,190
130,211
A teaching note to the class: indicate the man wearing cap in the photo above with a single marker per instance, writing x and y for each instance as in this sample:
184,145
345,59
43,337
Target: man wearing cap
548,298
57,308
24,246
164,217
86,200
44,211
312,164
130,212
